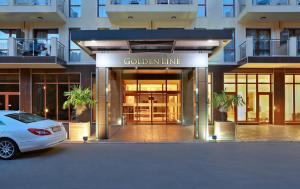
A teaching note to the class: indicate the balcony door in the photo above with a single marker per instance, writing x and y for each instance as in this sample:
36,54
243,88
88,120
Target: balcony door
261,41
9,101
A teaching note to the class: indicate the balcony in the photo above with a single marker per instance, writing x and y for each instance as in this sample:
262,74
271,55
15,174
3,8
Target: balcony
157,13
269,53
31,53
268,10
20,11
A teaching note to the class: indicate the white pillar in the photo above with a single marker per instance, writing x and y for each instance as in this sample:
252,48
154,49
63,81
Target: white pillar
292,46
249,46
12,47
53,46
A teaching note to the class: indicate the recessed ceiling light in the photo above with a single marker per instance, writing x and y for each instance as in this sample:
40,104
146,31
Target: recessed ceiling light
263,19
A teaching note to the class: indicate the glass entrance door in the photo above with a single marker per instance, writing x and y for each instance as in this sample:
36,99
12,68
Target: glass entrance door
152,102
264,108
9,101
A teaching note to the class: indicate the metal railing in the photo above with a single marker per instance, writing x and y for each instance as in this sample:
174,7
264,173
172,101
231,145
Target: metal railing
3,47
175,2
243,50
270,2
60,50
129,2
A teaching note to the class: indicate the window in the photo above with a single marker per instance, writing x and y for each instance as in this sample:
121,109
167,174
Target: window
101,9
228,8
261,41
25,117
291,32
229,49
201,8
75,8
255,89
4,2
74,49
48,94
292,98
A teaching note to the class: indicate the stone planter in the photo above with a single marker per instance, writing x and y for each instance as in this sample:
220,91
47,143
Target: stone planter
224,130
79,130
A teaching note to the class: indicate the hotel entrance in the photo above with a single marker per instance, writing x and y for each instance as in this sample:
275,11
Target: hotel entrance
152,101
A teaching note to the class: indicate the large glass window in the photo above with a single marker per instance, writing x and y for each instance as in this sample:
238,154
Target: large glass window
48,94
292,98
101,8
229,49
228,8
201,8
250,87
75,8
74,49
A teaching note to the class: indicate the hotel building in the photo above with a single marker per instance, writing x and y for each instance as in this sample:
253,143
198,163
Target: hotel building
152,62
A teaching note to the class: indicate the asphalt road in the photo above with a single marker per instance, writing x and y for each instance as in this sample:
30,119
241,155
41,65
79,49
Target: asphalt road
156,166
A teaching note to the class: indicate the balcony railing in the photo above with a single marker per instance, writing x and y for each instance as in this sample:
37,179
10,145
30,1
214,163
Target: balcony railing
3,47
32,47
270,2
269,47
59,3
129,2
175,2
298,47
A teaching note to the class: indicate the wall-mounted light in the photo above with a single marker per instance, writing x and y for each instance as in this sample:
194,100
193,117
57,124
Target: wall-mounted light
173,17
130,17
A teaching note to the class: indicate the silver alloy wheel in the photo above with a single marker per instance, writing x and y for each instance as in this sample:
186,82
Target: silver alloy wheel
7,149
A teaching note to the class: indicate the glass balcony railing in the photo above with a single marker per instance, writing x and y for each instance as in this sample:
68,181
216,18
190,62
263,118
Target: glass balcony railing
32,47
32,2
175,2
129,2
3,47
270,2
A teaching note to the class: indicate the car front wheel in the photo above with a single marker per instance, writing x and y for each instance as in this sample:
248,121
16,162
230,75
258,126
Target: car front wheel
8,149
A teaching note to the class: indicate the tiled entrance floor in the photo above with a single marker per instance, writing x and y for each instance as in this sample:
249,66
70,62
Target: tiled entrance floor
176,133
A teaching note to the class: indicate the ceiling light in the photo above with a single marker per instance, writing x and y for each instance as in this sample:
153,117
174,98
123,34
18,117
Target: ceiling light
173,17
130,17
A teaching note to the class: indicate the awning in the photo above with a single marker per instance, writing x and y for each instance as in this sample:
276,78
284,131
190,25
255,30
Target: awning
142,40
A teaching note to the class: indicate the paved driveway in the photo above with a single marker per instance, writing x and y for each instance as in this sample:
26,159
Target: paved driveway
157,166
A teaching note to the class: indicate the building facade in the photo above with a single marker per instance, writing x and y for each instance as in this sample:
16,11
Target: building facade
40,60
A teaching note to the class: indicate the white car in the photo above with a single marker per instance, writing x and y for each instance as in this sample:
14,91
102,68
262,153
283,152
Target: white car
23,132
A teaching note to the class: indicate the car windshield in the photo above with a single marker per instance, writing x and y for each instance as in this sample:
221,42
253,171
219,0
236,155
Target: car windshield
25,117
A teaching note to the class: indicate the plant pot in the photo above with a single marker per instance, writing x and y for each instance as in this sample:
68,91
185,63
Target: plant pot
79,130
224,130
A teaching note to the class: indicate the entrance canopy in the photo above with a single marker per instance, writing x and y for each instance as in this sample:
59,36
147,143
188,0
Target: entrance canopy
142,40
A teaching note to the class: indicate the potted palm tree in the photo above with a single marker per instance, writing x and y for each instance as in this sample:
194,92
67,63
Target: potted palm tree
224,129
80,100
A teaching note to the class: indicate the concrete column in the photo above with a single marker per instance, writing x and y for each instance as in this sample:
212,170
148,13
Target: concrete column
249,46
201,104
218,86
115,100
187,97
102,103
279,97
25,90
12,47
292,46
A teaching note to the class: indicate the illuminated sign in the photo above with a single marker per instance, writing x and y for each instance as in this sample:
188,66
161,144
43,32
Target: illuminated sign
152,60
